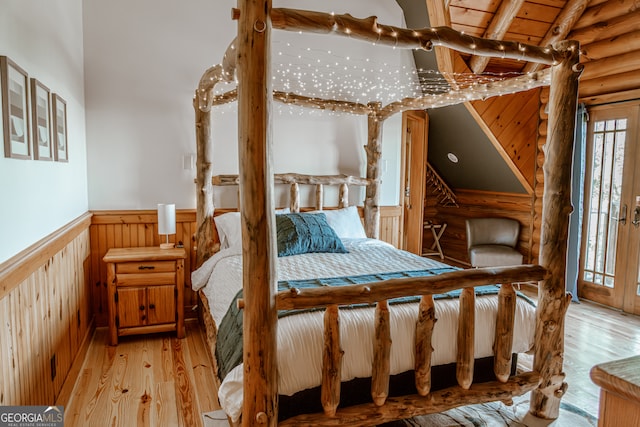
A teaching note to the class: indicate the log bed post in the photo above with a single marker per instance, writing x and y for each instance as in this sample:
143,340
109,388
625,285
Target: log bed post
374,153
260,403
202,102
204,209
424,333
552,299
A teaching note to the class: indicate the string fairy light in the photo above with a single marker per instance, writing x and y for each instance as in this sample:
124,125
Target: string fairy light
300,67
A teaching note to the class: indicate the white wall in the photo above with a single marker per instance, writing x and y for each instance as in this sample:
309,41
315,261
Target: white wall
39,197
143,60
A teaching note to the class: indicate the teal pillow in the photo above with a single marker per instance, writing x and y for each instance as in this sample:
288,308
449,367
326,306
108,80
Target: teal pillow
301,233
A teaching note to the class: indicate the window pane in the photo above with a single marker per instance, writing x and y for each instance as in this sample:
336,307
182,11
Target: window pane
598,126
621,124
608,282
605,203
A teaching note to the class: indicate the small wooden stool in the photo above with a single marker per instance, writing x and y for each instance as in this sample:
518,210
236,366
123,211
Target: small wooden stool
437,230
620,392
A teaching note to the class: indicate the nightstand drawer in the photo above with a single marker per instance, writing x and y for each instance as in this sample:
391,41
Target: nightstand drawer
149,279
145,267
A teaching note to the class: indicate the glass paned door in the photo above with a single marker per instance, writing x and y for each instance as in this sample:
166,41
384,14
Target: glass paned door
604,204
610,235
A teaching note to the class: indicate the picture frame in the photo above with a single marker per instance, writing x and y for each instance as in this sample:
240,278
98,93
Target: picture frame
15,109
43,147
59,115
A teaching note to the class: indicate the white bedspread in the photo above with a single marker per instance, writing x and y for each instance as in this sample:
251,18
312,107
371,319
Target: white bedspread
300,336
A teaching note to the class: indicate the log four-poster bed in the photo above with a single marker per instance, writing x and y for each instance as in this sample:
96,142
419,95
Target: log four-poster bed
248,60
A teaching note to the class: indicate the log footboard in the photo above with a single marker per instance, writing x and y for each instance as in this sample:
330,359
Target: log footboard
383,408
410,406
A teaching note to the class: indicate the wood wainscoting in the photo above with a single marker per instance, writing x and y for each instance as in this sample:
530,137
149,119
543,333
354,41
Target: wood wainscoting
123,229
46,319
477,204
391,225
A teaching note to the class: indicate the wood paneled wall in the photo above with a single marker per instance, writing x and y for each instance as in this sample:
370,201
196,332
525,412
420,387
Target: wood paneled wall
46,320
513,120
124,229
475,204
391,224
511,123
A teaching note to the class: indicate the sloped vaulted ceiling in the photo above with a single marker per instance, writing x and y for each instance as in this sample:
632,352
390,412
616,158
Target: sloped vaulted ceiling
454,130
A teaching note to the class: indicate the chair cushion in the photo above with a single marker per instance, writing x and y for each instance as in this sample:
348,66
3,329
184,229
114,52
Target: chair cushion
492,231
494,256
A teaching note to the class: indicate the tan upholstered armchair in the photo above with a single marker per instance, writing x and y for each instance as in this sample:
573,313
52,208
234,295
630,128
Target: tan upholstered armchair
491,242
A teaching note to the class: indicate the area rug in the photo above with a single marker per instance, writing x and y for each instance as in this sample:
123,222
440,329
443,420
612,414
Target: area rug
493,414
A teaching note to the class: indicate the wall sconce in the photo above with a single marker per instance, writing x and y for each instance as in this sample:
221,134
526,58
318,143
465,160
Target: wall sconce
166,223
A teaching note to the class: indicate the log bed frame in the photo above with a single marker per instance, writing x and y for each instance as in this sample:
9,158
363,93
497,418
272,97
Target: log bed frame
248,60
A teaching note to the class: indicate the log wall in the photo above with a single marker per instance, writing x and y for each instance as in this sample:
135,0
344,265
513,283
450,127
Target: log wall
609,37
539,175
607,30
474,204
46,319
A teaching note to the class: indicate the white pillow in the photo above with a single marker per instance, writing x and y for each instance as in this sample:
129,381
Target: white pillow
230,230
345,222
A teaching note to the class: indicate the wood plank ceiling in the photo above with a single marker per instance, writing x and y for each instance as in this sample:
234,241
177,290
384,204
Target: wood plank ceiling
608,31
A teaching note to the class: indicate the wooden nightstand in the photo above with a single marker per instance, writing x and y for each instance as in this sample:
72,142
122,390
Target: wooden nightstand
620,392
145,291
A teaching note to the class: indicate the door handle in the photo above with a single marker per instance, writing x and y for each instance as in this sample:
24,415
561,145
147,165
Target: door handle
636,217
623,217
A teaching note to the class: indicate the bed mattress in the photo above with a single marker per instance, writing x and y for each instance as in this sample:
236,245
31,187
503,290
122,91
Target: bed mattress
300,336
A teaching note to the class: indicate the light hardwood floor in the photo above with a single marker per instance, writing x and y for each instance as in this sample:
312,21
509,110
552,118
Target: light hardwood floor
158,380
593,334
151,380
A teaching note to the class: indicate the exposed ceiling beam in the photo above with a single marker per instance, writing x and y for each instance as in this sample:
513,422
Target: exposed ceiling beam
438,11
559,30
496,30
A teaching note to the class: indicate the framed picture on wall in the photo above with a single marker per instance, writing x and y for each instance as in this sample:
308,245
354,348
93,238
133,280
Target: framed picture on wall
41,118
61,149
15,109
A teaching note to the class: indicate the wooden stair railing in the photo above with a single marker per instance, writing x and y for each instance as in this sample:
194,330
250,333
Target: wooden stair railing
446,195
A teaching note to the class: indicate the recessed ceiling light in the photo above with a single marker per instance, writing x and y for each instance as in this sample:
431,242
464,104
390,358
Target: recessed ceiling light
452,158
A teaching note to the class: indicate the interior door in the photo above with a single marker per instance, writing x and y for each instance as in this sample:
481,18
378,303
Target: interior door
610,257
415,126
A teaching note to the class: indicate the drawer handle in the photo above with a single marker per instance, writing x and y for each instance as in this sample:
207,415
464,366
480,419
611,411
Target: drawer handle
146,267
152,306
141,307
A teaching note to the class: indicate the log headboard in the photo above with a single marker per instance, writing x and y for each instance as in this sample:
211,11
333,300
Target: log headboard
295,180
